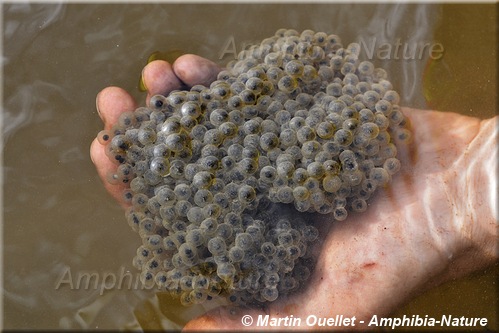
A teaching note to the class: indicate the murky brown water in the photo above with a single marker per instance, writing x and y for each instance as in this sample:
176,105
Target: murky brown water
58,220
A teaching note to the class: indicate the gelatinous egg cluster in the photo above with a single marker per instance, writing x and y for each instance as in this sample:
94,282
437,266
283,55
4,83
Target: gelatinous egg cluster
297,121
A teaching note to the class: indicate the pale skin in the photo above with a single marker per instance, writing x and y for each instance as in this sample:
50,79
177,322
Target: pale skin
435,222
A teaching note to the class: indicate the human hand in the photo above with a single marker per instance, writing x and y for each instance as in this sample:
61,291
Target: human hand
434,222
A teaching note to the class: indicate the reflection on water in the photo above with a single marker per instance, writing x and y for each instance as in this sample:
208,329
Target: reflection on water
56,212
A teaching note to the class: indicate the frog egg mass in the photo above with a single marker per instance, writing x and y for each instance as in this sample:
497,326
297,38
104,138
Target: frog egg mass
218,174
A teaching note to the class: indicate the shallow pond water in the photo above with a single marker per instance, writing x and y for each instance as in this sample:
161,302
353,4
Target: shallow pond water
57,217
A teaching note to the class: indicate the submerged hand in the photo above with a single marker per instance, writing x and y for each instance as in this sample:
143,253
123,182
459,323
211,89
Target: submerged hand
436,220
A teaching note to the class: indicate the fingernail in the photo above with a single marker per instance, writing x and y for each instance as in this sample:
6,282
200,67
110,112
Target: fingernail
97,105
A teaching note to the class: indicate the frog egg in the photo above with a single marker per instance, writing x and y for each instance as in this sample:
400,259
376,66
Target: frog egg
273,59
293,252
347,68
182,191
224,231
352,178
217,246
190,109
228,129
392,97
285,168
274,74
167,213
147,279
269,126
301,193
231,189
220,90
212,210
299,176
166,196
152,177
388,150
285,239
226,271
366,116
248,97
379,74
380,176
158,102
185,299
251,126
200,282
350,124
247,166
370,98
209,226
313,119
254,84
268,174
369,130
287,84
125,172
285,194
171,125
104,137
243,241
384,107
188,253
334,89
359,205
343,137
403,135
310,233
236,88
350,90
305,133
294,68
218,117
202,179
268,249
296,123
349,113
119,143
340,213
236,254
351,79
208,163
198,296
139,201
315,170
203,197
391,165
198,132
178,225
366,68
396,117
378,88
195,215
246,194
182,207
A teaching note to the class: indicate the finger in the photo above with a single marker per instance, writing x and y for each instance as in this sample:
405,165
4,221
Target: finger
159,78
193,70
104,168
111,102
